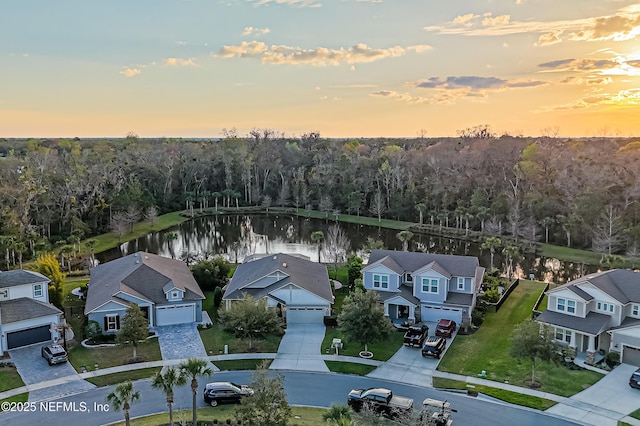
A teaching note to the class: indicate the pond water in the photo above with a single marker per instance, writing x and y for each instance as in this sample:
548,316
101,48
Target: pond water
235,237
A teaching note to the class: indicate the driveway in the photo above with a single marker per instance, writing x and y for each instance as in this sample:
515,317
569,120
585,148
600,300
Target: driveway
408,365
612,395
300,349
34,369
180,341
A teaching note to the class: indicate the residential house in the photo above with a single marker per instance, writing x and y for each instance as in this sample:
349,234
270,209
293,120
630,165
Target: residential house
164,289
26,316
298,287
424,286
598,312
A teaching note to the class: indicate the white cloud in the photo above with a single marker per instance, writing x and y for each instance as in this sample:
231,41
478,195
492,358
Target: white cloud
178,62
492,21
419,48
406,97
131,72
255,31
246,49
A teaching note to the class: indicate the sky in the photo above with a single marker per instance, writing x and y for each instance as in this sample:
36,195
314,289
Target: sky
343,68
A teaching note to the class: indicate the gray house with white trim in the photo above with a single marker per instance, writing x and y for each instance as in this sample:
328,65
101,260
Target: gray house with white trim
164,289
598,312
26,316
424,286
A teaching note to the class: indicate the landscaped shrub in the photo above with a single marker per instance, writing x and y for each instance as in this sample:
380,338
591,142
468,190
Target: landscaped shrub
477,317
612,359
217,297
92,331
491,295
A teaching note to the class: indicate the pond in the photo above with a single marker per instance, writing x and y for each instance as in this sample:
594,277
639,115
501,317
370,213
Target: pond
235,237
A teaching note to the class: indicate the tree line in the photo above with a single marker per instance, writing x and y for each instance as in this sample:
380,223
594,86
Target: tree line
579,193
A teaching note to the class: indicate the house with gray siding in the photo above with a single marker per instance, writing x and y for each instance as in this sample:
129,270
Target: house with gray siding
26,316
424,286
163,288
599,312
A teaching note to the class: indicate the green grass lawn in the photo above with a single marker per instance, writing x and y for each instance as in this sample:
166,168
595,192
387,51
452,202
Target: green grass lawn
242,364
382,351
504,395
9,378
349,367
112,379
23,397
635,414
301,416
214,339
488,349
112,356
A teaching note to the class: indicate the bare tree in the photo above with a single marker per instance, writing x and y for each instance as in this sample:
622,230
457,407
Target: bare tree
326,205
132,215
607,235
377,205
119,224
336,246
151,214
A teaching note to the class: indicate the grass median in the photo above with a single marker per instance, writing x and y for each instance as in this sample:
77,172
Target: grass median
112,356
116,378
382,350
350,368
215,338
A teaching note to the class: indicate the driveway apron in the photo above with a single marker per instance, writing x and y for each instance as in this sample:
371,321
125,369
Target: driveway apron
300,349
34,369
180,341
605,402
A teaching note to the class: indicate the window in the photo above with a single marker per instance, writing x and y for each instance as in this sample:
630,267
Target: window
605,307
429,285
174,295
37,290
408,277
635,310
565,305
112,322
380,281
571,306
460,283
563,335
560,305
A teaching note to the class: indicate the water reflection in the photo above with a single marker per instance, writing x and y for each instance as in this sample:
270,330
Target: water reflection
235,237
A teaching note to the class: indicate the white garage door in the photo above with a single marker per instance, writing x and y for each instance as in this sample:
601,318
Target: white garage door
175,314
435,314
304,315
631,355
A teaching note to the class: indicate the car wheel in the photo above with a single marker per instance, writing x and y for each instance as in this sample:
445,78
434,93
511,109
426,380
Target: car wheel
213,403
49,361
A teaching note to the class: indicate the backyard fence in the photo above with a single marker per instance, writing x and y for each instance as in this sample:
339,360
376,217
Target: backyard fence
495,307
535,312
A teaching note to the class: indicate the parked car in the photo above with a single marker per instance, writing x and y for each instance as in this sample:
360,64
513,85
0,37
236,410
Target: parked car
380,400
415,335
634,380
225,393
54,354
445,328
433,346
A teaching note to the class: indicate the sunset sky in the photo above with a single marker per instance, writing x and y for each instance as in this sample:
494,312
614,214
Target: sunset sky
345,68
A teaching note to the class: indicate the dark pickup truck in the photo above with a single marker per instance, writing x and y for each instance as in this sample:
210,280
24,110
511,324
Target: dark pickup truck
415,335
380,400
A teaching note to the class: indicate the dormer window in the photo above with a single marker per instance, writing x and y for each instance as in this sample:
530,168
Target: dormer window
565,305
460,283
175,294
635,310
380,281
37,290
605,307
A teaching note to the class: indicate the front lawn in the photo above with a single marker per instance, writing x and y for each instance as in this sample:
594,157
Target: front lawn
116,378
214,339
382,350
242,364
488,349
23,397
113,355
9,378
501,394
350,368
635,414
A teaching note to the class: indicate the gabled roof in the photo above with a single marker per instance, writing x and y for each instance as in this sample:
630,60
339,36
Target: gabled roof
454,265
405,292
621,284
594,323
310,276
143,275
464,299
25,308
21,277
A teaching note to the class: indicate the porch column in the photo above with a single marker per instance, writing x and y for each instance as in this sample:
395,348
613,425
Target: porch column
591,350
572,343
412,313
386,309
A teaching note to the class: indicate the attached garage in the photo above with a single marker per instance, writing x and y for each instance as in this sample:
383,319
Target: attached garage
631,355
436,313
175,314
29,336
305,315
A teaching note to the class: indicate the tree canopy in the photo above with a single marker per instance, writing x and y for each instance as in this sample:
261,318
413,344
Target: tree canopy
362,318
250,318
268,405
535,342
134,328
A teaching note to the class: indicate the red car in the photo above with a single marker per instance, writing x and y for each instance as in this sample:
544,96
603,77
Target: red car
445,328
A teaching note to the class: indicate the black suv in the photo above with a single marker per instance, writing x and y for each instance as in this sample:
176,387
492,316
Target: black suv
433,346
225,393
54,354
634,380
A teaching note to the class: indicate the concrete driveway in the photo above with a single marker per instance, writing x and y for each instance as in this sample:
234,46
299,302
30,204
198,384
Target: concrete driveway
612,396
408,365
34,369
300,349
180,341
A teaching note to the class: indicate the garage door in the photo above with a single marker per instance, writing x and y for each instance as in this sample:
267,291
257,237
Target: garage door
631,355
175,314
435,314
28,337
304,315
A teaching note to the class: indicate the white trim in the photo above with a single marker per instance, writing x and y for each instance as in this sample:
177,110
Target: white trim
131,295
460,281
41,291
565,305
429,285
112,318
380,281
108,301
262,277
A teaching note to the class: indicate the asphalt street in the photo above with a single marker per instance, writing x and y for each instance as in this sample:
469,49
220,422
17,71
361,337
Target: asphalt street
314,389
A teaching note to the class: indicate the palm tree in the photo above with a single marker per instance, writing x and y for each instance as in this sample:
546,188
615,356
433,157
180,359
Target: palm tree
165,382
510,252
492,243
170,237
194,368
317,237
122,398
421,207
546,222
404,236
